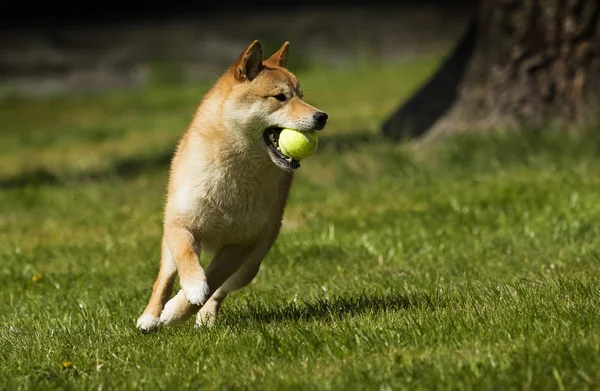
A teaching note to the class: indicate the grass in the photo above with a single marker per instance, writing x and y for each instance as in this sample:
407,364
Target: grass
469,265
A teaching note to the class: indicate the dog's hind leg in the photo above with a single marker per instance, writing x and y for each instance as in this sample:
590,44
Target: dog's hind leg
242,277
223,266
245,274
209,311
163,286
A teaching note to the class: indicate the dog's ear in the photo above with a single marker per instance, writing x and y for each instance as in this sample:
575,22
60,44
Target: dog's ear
280,57
249,63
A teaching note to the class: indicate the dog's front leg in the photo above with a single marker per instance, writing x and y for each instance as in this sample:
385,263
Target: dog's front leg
185,249
223,265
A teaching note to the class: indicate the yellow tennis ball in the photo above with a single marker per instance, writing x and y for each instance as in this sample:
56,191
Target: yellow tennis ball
298,145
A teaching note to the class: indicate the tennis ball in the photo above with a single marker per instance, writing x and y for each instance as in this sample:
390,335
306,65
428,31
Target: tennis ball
298,145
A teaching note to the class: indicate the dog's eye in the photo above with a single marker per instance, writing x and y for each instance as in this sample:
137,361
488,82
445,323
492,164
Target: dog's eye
280,97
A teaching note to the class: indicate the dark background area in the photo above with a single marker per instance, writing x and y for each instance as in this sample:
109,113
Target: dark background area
24,15
52,47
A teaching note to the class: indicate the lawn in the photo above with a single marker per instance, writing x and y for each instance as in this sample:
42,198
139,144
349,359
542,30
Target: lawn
472,264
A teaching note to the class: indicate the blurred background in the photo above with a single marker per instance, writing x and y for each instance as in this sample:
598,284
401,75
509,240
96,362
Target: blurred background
89,89
95,90
55,47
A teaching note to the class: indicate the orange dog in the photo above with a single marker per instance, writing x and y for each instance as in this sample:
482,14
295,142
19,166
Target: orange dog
228,187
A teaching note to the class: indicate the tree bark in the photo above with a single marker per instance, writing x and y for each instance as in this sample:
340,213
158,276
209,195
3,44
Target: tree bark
531,63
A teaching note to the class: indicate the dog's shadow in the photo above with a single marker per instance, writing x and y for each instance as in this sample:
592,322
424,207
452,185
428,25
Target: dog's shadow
334,309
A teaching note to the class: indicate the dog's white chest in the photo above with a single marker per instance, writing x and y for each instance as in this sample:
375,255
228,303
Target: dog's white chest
225,209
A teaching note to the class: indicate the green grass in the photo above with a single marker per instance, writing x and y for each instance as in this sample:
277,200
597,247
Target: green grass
469,265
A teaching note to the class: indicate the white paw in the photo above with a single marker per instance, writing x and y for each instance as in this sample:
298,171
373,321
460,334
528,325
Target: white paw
196,293
147,323
176,310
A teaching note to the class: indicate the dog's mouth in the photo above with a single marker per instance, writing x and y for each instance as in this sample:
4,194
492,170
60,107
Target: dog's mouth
271,137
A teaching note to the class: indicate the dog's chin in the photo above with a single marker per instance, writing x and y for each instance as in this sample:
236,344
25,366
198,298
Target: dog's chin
271,137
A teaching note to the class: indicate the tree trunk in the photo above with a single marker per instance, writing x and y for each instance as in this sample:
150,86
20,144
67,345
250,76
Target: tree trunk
531,63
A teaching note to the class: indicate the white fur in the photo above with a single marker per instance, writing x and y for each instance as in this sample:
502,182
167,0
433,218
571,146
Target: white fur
196,292
184,200
175,310
147,322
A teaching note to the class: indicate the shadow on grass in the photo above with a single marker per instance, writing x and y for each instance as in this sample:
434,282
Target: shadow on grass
130,167
134,166
337,307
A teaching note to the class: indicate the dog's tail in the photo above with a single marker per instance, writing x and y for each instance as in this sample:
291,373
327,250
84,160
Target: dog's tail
177,310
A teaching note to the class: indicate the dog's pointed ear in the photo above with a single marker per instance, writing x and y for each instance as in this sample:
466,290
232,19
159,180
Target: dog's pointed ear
249,63
280,57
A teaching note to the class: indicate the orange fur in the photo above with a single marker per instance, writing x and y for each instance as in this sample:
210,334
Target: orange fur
227,188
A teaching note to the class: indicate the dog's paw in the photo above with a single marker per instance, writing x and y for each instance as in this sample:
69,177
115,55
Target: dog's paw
197,292
147,323
205,322
207,315
176,310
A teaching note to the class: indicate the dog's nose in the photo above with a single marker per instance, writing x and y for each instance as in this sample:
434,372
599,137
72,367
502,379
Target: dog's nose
320,119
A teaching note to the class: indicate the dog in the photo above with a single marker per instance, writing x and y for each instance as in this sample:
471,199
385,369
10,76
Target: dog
228,187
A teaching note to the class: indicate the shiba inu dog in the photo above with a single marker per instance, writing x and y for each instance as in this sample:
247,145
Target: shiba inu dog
228,187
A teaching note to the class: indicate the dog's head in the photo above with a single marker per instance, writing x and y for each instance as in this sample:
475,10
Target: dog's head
265,97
